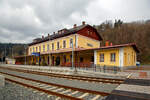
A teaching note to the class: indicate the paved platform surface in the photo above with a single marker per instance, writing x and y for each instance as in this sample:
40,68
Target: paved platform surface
136,87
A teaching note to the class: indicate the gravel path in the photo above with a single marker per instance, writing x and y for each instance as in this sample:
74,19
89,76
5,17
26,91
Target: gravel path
74,83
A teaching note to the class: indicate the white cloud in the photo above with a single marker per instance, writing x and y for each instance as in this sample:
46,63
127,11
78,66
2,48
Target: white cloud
21,21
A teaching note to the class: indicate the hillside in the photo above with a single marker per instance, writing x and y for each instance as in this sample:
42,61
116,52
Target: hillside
11,49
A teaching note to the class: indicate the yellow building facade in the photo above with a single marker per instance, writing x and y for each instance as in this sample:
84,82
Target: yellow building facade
79,46
57,48
117,55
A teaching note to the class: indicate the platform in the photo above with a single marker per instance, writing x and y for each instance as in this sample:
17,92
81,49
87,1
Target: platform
136,87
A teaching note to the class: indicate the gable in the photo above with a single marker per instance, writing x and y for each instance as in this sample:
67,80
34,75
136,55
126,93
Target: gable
90,32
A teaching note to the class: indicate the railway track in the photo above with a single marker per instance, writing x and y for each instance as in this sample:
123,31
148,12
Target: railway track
61,91
72,77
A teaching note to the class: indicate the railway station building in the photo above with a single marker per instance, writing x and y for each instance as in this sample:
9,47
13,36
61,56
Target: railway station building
83,43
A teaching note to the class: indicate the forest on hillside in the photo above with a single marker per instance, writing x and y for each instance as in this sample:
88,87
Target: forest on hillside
120,33
11,49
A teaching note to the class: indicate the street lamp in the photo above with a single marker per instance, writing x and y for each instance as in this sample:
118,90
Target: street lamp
75,70
72,52
25,54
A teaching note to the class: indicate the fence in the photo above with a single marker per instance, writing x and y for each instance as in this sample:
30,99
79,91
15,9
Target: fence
97,68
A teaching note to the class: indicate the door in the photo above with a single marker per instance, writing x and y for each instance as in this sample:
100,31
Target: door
57,60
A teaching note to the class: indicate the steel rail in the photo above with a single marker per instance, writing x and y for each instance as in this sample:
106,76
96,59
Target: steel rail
45,91
62,86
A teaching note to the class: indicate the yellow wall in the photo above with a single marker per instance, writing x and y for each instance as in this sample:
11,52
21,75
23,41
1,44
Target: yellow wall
60,40
129,56
80,41
107,55
83,41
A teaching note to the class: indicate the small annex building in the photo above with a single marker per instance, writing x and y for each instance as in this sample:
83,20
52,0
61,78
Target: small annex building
80,45
116,55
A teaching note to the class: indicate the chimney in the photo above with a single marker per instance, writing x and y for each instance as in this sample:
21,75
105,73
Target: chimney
83,22
48,35
107,43
53,32
42,37
59,32
75,25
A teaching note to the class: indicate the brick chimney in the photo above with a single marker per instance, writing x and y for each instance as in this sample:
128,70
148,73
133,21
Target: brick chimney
83,22
75,25
107,43
48,35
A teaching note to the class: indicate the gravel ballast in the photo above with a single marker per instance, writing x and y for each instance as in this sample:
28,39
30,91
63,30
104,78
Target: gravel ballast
13,91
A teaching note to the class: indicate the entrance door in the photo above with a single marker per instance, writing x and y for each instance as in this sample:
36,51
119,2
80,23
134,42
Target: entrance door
57,61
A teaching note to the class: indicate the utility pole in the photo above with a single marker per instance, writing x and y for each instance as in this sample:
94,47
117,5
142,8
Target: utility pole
72,54
5,55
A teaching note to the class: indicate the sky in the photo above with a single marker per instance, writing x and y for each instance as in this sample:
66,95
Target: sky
23,20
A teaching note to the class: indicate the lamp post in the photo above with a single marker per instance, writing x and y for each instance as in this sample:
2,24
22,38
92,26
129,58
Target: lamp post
49,52
75,70
25,54
72,54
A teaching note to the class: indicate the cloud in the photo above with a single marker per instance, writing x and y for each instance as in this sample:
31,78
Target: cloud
22,21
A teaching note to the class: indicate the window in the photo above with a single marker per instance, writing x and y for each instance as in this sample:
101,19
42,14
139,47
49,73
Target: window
47,47
36,49
57,45
71,43
52,46
43,48
102,57
39,48
113,57
33,49
64,44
